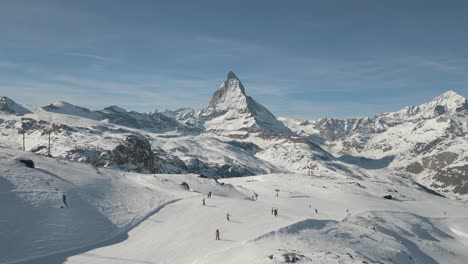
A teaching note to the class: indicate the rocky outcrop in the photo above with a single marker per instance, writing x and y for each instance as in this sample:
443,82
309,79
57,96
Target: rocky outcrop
135,154
453,178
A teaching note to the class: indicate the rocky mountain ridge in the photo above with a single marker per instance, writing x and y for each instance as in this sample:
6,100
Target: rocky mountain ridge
237,136
428,142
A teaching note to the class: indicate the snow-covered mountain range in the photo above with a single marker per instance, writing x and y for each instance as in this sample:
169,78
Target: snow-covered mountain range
236,136
428,142
361,190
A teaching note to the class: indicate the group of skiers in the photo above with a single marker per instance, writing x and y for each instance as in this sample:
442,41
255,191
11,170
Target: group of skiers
208,196
274,211
217,233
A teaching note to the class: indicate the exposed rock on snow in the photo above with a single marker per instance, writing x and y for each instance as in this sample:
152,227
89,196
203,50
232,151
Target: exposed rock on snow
135,154
27,162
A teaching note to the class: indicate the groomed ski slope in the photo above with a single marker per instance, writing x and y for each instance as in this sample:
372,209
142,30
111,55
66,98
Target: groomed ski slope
119,217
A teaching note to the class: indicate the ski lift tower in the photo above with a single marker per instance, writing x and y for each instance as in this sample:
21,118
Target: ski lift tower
23,129
49,130
23,132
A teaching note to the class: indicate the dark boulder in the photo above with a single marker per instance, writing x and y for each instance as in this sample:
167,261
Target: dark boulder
29,163
389,197
185,186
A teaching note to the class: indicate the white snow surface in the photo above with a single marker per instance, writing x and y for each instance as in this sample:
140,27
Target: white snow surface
120,217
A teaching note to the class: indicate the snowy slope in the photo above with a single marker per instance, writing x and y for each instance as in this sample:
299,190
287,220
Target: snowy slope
351,218
103,204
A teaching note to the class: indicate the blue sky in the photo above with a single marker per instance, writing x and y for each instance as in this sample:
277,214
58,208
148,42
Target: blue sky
304,59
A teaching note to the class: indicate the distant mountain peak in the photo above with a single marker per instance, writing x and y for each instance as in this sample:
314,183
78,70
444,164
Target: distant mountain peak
232,75
9,106
449,93
449,96
230,109
449,99
230,94
114,108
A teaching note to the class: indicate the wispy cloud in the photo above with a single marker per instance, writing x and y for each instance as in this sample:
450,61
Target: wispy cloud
91,56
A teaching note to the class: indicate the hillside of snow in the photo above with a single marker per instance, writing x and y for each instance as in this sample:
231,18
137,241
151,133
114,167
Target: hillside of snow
120,217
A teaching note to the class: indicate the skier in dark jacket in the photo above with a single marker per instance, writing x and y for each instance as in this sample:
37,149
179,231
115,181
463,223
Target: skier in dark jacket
203,201
64,200
227,217
217,234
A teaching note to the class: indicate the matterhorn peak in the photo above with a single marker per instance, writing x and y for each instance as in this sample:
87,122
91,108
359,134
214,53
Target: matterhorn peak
230,109
232,75
231,94
233,83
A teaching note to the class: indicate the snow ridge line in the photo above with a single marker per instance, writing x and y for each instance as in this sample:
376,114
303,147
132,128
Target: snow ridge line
296,227
101,242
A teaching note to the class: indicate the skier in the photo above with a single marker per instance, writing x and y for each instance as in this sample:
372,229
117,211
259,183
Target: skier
209,195
64,200
316,211
227,217
217,234
203,201
276,212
